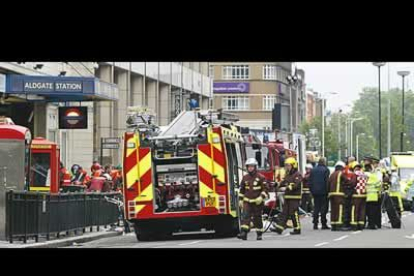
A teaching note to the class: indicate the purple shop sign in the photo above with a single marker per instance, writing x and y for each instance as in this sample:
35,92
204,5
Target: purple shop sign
231,87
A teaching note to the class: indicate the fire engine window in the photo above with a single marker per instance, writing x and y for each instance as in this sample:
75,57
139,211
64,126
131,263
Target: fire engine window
261,155
40,170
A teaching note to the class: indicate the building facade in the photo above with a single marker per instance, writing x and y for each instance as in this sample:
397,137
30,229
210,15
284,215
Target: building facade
250,90
164,87
313,105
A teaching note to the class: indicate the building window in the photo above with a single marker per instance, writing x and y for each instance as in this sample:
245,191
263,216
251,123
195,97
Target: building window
236,72
211,73
235,103
269,72
269,102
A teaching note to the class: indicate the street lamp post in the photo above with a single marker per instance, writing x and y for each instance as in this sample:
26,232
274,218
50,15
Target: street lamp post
357,146
293,81
379,64
339,134
323,120
403,74
352,125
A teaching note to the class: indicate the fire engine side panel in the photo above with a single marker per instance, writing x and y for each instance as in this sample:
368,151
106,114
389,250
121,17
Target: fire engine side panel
221,170
130,173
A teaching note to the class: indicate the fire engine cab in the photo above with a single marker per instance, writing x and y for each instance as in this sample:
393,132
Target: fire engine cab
184,177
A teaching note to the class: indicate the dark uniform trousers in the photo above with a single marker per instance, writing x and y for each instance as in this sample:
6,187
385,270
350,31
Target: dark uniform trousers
321,207
347,210
289,211
306,202
337,203
374,213
252,213
358,211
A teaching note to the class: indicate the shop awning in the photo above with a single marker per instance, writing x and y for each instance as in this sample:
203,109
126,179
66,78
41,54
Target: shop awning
60,89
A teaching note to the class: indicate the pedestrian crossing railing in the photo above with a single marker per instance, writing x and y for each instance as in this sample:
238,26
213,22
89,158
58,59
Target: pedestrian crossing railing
44,216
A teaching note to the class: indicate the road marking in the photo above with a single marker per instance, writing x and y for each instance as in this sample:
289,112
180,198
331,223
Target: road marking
341,238
320,244
357,232
410,237
409,214
194,242
285,235
404,216
158,244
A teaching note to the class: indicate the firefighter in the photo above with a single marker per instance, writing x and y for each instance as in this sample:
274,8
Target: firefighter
306,202
251,199
349,174
373,188
337,185
358,197
292,186
64,175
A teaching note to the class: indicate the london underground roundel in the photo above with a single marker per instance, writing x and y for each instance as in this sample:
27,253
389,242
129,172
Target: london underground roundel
73,117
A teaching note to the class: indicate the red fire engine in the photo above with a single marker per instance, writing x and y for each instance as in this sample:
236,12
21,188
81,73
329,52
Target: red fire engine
184,177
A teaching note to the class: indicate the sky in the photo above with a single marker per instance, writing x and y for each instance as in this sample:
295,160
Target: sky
349,78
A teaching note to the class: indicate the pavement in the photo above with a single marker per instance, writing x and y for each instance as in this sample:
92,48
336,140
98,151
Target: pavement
64,241
381,238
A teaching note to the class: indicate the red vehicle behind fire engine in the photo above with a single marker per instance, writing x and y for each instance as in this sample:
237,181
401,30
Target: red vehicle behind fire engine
22,153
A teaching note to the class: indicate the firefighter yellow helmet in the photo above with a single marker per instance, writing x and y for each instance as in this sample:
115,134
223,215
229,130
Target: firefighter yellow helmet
292,161
354,164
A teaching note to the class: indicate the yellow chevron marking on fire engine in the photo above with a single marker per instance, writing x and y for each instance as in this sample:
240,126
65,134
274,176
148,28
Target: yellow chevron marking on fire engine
206,191
132,176
129,151
146,194
138,208
219,170
145,164
207,164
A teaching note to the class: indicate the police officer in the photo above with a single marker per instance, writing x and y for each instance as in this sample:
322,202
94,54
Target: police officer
252,195
292,186
373,204
337,185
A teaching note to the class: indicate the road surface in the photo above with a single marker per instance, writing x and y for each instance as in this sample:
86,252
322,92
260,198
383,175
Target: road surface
385,237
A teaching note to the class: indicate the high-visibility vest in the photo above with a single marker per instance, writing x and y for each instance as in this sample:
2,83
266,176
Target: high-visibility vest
373,187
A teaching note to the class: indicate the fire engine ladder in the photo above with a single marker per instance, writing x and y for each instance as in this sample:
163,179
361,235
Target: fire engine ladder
185,125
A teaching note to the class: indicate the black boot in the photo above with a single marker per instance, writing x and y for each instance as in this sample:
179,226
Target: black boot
259,235
325,227
372,227
334,228
315,226
243,234
295,232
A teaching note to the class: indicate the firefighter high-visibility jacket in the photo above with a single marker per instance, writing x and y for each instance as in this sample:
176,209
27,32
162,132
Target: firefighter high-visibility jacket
252,186
279,174
293,184
337,184
373,186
